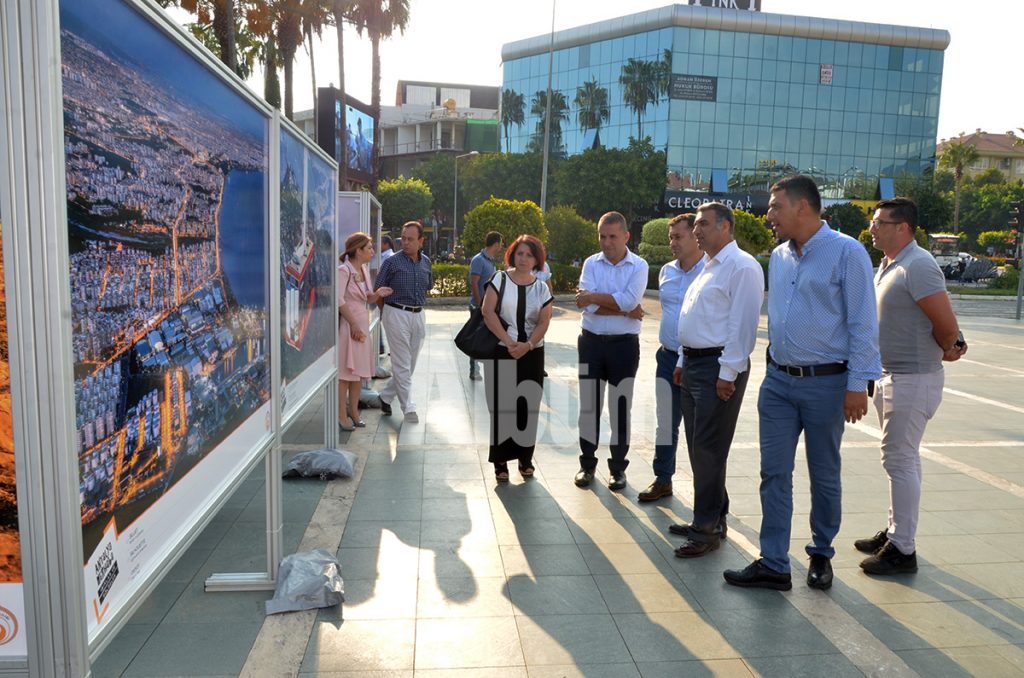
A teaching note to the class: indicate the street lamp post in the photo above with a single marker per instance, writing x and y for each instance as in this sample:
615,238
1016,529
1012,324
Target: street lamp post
455,216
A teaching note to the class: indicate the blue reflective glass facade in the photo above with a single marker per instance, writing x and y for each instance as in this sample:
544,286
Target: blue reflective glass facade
838,110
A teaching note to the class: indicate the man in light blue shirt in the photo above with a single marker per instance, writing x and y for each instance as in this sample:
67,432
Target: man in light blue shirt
822,354
612,285
673,281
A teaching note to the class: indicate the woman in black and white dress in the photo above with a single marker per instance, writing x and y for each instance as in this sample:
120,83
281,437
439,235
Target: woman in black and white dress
514,379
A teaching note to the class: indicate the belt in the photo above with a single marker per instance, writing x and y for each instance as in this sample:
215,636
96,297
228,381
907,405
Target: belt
608,337
809,370
400,307
668,350
702,352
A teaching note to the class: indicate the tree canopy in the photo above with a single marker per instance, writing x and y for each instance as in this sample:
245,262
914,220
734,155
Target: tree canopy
511,218
403,200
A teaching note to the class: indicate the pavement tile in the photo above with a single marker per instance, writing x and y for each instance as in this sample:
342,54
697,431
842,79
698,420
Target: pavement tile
213,649
673,636
556,595
360,645
463,597
570,639
442,643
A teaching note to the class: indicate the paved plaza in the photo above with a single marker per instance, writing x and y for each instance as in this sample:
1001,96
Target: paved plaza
448,574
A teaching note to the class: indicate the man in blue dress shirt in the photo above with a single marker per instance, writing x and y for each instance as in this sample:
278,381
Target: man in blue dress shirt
822,355
673,281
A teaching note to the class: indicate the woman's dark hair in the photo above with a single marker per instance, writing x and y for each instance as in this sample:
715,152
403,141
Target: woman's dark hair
536,249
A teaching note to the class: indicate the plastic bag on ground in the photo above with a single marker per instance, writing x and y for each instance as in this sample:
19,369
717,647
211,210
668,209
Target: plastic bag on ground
306,581
323,464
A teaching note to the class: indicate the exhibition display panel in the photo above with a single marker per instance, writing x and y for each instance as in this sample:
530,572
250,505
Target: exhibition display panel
12,595
168,214
308,265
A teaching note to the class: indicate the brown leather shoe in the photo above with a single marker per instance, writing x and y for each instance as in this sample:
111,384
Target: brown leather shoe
655,491
696,549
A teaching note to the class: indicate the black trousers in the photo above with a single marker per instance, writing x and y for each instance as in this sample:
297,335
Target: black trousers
514,392
710,424
606,363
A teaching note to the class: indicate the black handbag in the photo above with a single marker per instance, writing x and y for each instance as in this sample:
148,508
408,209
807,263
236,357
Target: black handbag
475,339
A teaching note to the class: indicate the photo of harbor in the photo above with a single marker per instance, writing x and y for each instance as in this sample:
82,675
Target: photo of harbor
307,256
167,227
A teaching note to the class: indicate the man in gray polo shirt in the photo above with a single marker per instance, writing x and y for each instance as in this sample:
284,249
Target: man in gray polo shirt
917,330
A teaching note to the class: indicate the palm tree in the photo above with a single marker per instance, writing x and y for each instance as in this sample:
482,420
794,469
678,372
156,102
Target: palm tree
512,113
592,105
641,84
219,17
316,14
342,11
559,112
380,19
957,156
280,21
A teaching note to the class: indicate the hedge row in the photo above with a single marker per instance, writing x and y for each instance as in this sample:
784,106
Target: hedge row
452,280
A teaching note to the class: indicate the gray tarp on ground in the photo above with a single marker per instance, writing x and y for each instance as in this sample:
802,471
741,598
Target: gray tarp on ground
306,581
321,464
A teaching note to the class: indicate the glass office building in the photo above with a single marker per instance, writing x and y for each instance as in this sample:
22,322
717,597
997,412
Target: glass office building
739,98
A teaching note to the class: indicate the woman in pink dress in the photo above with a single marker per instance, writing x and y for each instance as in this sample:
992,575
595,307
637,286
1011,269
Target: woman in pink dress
355,358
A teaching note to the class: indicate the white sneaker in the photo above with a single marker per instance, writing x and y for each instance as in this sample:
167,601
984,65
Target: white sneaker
412,417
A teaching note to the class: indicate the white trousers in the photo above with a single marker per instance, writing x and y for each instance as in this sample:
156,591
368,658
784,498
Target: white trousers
405,332
905,403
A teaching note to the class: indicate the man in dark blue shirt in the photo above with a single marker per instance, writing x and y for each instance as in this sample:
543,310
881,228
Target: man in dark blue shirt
481,268
409,274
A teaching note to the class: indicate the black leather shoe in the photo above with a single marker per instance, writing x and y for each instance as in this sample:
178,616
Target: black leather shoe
696,549
819,574
655,491
385,409
683,529
758,575
617,482
583,478
889,560
872,544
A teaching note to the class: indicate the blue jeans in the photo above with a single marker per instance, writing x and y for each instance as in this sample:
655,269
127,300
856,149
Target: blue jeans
787,406
668,413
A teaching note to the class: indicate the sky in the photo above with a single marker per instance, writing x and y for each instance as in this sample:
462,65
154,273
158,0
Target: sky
459,41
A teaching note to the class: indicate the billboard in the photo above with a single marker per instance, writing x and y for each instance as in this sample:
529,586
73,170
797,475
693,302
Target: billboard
307,267
356,134
12,597
166,171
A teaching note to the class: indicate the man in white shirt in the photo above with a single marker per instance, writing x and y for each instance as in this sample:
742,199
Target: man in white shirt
675,278
612,285
717,330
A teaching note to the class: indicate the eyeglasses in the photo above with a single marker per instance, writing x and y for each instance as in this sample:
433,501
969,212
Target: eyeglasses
875,223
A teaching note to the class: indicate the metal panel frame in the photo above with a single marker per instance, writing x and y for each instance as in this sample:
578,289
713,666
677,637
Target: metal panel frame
38,302
31,150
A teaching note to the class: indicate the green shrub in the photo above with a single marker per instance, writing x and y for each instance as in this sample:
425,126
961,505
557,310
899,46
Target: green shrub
511,218
450,280
654,244
752,235
564,278
570,236
403,200
1007,281
763,260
